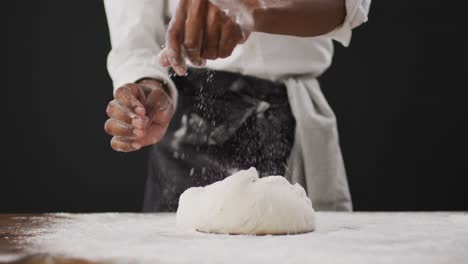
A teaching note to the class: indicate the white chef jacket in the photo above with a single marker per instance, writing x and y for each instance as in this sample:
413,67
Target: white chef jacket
138,28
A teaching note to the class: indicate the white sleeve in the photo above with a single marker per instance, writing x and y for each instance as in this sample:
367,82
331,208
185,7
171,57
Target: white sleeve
356,14
137,33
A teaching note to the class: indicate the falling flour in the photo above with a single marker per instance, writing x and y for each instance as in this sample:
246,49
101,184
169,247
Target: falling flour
246,204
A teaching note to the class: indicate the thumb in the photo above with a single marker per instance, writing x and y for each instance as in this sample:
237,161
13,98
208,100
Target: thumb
160,107
163,58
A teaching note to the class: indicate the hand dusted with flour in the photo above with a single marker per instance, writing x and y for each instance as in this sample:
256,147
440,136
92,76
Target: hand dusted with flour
245,204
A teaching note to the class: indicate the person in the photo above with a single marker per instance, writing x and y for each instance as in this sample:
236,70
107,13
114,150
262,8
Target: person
249,96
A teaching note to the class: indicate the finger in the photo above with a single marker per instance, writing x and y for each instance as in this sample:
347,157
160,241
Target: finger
140,122
114,127
124,144
119,112
162,110
212,33
163,58
175,33
159,102
194,26
231,35
131,96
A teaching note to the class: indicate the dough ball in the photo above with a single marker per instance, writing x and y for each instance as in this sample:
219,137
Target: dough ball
246,204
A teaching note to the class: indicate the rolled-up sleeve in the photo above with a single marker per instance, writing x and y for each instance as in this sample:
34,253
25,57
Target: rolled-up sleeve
137,32
356,14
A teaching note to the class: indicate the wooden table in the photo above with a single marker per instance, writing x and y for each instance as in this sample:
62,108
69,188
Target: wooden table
14,230
152,238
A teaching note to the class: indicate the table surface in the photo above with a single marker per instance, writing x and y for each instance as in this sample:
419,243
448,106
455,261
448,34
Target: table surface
153,238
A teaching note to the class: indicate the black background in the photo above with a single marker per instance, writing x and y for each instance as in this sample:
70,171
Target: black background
399,93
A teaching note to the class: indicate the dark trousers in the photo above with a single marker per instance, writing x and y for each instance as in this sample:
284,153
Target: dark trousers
224,122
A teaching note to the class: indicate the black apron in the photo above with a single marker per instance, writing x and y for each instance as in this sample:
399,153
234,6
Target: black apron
224,122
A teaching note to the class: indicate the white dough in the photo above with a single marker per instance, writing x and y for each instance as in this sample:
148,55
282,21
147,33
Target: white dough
245,204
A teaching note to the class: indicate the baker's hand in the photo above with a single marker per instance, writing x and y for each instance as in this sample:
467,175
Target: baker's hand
139,115
199,31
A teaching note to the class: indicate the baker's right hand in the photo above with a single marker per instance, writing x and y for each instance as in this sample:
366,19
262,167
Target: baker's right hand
139,115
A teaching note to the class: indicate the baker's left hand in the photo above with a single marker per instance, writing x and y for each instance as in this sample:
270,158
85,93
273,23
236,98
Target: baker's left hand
199,31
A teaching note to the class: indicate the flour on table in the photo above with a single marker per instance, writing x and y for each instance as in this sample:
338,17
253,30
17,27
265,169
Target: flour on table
246,204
